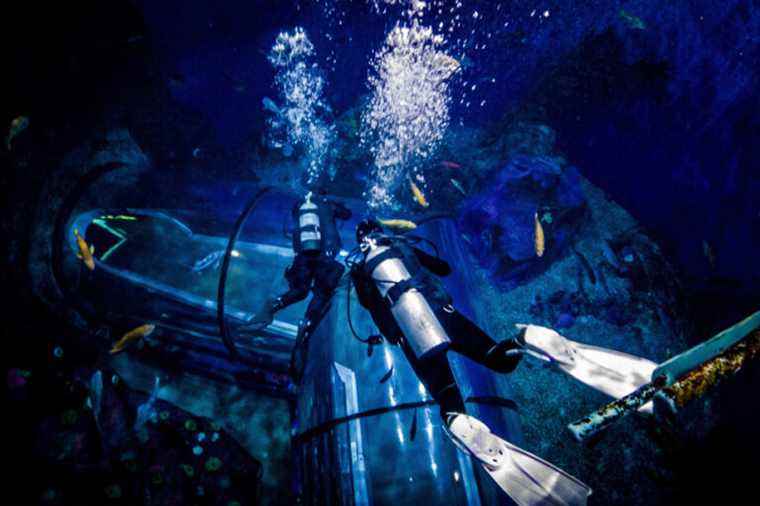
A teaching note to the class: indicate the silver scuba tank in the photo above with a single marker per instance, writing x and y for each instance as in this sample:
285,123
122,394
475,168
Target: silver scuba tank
309,226
411,310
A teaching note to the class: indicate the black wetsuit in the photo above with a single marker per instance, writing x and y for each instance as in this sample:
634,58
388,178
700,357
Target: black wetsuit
318,272
466,337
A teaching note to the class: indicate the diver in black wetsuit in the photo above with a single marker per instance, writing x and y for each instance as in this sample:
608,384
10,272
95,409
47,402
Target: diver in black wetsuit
316,242
400,308
399,285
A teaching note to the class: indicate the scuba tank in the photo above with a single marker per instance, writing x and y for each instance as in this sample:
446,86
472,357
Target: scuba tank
310,235
410,309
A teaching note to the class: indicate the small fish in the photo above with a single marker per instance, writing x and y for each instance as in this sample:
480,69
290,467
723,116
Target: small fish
458,186
387,375
133,335
419,197
18,125
270,106
539,240
447,65
450,165
398,224
709,253
85,252
632,21
212,259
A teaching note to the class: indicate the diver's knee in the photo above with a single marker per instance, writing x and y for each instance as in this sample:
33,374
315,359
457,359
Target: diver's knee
500,360
299,293
506,365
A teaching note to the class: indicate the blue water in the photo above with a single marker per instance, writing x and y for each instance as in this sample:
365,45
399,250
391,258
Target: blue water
627,130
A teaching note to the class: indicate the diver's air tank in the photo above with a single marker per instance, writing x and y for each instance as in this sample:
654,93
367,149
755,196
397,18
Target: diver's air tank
411,310
308,226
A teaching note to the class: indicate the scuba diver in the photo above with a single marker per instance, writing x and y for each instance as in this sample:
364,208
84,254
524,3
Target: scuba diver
316,243
399,285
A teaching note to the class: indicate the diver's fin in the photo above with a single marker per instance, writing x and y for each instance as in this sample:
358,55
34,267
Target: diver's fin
614,373
527,479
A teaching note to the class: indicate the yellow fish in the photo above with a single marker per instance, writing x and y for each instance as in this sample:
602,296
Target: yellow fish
18,125
538,236
397,224
133,335
446,65
85,252
418,195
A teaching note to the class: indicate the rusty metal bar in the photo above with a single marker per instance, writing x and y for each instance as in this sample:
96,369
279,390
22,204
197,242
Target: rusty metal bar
607,415
697,382
676,394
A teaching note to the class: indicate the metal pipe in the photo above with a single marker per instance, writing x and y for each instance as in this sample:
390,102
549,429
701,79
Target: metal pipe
699,381
607,415
687,388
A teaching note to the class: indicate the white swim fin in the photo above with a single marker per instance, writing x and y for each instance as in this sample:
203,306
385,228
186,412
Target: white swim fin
614,373
527,479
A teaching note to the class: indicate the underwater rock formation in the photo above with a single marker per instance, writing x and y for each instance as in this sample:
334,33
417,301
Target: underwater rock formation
498,223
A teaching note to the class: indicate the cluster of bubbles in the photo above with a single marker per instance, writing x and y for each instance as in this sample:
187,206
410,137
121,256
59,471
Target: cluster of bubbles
412,98
302,119
414,6
408,112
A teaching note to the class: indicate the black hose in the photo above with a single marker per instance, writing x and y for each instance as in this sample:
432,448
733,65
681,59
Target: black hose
224,331
348,313
351,264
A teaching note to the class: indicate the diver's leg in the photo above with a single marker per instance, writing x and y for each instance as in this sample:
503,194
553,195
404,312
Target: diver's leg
327,274
435,373
610,371
298,276
472,342
527,479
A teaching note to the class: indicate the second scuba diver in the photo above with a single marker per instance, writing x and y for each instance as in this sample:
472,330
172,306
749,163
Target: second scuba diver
399,285
316,243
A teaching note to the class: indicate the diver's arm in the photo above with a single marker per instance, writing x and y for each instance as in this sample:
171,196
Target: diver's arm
433,263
